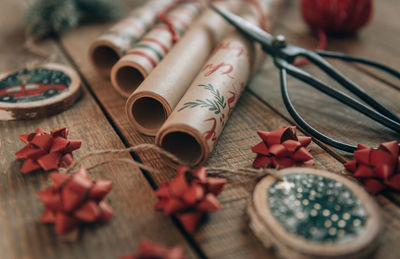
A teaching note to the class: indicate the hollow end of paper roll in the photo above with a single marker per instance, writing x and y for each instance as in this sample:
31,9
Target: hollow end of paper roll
183,145
104,58
147,115
126,79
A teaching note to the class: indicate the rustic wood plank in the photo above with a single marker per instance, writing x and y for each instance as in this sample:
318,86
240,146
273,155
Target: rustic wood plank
226,234
132,198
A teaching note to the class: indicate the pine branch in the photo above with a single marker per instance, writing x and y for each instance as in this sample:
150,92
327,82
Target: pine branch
216,105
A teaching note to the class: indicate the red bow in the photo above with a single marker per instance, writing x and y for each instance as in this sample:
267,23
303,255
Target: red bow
47,151
282,148
379,168
151,250
189,195
75,199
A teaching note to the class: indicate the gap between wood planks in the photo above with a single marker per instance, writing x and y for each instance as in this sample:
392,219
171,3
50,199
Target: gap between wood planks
189,238
376,76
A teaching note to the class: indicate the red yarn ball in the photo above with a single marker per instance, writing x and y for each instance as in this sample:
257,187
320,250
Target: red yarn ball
336,16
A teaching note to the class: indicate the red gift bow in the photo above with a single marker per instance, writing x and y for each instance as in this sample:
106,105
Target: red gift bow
378,167
75,199
282,148
151,250
47,151
189,195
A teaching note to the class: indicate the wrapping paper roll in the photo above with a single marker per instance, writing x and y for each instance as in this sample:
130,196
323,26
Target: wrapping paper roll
106,50
130,71
195,125
153,101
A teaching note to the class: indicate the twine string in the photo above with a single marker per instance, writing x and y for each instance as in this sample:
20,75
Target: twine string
322,41
31,39
244,171
262,15
162,16
137,148
220,171
32,46
125,160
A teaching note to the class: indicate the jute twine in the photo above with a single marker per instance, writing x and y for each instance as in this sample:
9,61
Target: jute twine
218,171
163,14
32,46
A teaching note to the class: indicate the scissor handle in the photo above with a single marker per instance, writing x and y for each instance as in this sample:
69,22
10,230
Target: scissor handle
350,58
287,68
303,124
324,65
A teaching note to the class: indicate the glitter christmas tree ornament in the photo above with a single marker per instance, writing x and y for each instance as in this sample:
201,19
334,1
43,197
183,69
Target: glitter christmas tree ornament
38,92
311,213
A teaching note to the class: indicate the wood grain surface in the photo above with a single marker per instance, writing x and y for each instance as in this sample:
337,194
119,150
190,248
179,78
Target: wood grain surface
99,119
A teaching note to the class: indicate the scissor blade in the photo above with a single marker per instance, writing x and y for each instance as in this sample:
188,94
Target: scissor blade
245,27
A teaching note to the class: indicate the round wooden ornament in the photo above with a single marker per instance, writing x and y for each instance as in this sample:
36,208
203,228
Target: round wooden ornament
313,213
38,92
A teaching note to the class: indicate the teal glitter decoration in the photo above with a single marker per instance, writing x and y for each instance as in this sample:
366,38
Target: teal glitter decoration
316,208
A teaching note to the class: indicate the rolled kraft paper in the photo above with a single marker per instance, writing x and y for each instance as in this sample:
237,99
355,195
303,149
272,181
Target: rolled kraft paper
153,101
106,50
130,71
196,123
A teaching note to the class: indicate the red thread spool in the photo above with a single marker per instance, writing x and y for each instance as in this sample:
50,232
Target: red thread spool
341,17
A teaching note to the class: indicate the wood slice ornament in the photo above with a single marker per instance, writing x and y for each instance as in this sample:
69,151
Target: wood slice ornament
312,213
37,92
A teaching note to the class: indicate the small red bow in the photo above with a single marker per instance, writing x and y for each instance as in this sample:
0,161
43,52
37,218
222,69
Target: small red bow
47,151
75,199
379,168
282,148
189,195
151,250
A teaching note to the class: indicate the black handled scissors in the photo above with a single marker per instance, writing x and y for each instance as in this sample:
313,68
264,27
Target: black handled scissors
284,54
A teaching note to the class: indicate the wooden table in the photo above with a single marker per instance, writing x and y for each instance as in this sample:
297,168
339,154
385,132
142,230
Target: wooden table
98,118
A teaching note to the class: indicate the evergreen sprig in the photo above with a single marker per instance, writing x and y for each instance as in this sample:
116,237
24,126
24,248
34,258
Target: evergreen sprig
47,17
216,105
